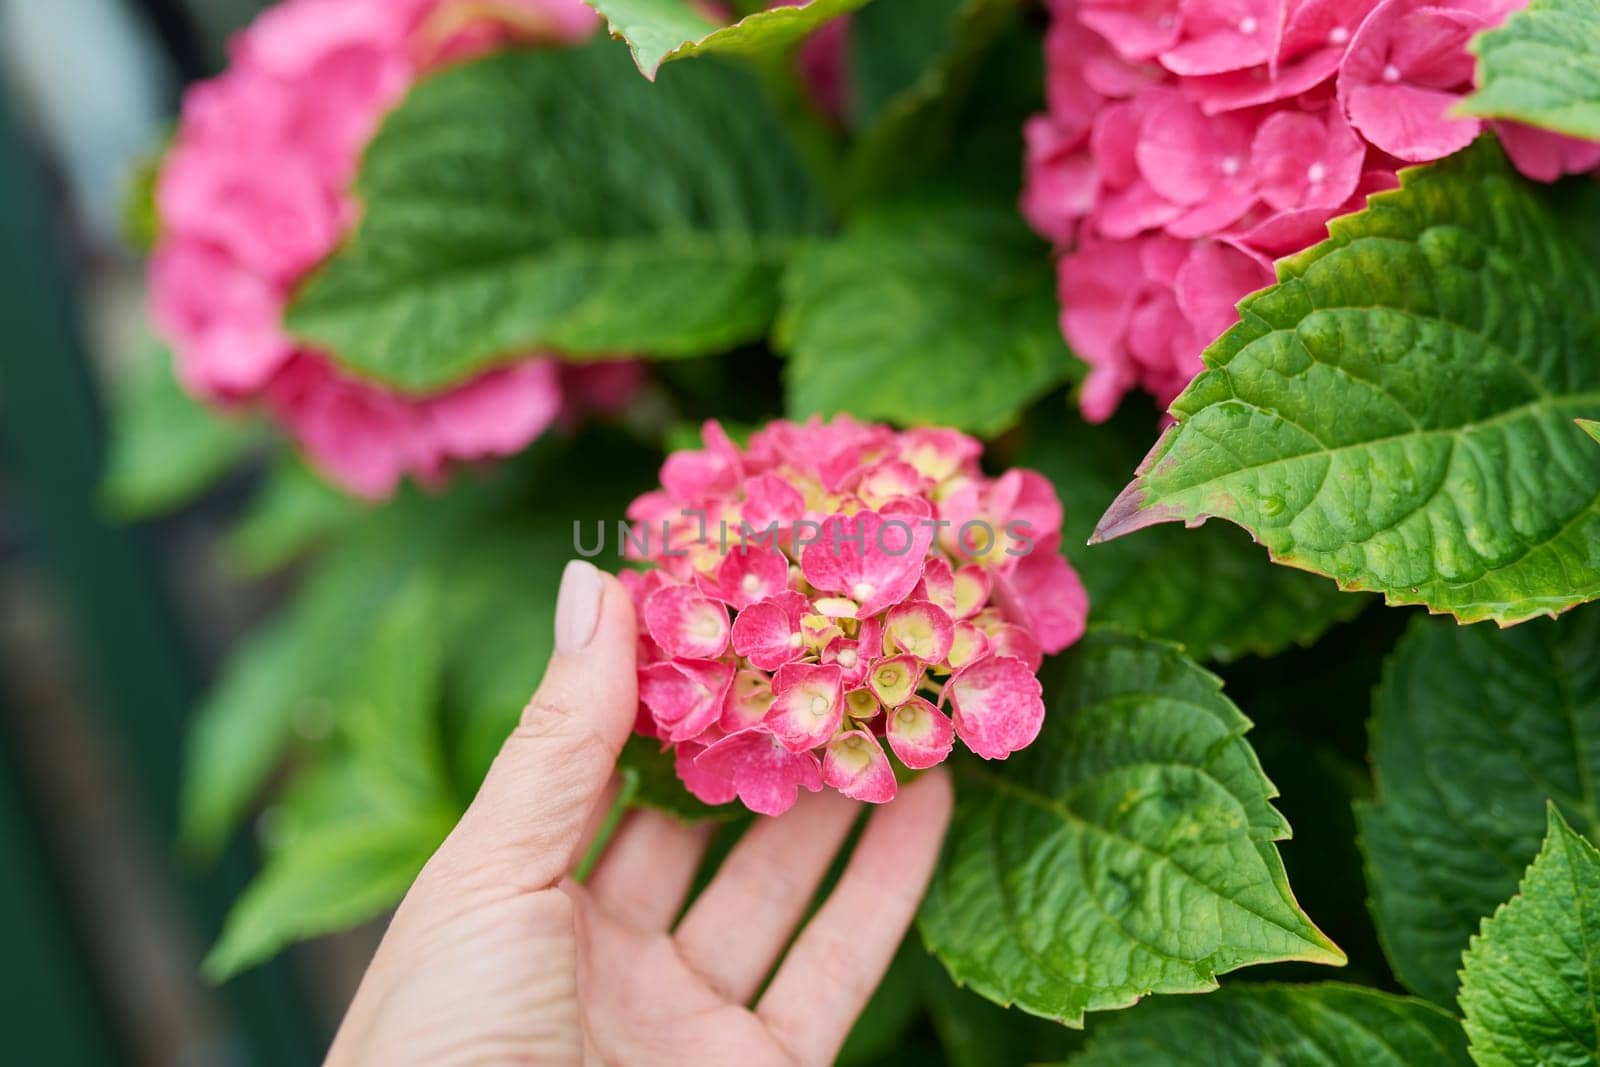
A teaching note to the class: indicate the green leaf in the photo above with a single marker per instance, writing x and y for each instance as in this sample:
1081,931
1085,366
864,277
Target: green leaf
924,311
1542,67
1473,730
651,219
291,513
1529,980
894,45
1326,1024
1128,851
286,678
975,1032
1590,427
1397,412
330,880
390,712
1210,589
941,93
659,31
166,447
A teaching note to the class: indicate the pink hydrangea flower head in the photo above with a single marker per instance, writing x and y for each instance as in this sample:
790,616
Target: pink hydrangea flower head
255,192
1187,144
815,595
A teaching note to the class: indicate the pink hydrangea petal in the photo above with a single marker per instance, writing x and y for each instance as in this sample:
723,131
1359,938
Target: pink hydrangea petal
496,413
853,658
1224,35
894,679
685,697
856,766
747,575
1408,121
748,699
1185,154
691,474
889,480
1137,29
1062,181
998,706
807,705
1211,284
1018,643
770,500
920,629
1305,160
1099,283
938,584
920,734
940,454
874,560
362,437
1405,69
766,775
1044,594
768,634
1225,206
687,624
1545,156
1131,211
968,643
1236,90
704,783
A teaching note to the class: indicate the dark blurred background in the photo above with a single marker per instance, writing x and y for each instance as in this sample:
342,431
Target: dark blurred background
108,630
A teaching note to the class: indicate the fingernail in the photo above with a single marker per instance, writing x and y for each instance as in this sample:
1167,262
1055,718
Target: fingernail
577,606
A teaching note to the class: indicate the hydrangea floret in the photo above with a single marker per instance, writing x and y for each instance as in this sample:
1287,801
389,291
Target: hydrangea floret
1190,143
256,191
835,587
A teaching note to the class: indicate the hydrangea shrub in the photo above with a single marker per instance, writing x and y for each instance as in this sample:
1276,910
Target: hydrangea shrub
881,589
874,294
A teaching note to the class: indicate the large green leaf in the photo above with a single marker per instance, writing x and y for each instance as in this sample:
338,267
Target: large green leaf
1542,68
1319,1025
1128,851
330,880
659,31
1397,412
1474,730
552,198
165,446
285,678
1210,590
925,311
1529,981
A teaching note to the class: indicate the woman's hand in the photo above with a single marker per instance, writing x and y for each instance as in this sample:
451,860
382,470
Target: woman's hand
497,955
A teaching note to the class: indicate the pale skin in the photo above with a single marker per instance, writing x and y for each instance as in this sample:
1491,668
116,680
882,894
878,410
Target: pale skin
497,955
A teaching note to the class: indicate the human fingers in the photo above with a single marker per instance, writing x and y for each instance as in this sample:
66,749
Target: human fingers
737,928
840,957
646,871
522,830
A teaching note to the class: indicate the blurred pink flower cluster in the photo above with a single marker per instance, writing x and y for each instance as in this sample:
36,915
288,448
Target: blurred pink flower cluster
837,586
255,192
1190,143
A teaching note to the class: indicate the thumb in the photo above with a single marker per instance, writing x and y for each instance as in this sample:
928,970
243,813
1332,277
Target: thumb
522,828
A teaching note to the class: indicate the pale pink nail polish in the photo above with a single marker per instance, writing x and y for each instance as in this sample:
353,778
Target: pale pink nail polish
577,606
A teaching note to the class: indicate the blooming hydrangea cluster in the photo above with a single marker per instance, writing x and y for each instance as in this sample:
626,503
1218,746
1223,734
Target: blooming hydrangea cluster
1189,143
835,586
255,192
